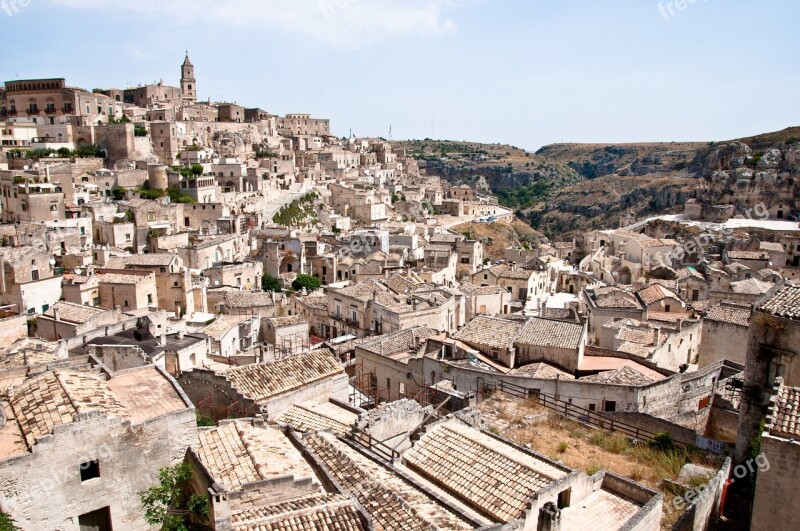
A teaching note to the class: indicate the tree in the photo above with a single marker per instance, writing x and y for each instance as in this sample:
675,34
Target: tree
197,169
118,193
306,281
167,505
270,283
7,523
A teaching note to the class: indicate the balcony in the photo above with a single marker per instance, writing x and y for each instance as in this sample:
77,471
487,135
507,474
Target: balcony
50,110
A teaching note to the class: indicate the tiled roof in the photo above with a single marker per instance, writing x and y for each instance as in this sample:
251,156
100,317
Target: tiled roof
53,398
492,482
610,297
246,299
148,260
541,371
398,342
639,336
726,314
748,255
655,293
548,333
388,506
518,274
786,416
303,419
30,351
237,453
74,313
785,303
326,511
489,331
263,381
362,291
625,375
751,286
289,320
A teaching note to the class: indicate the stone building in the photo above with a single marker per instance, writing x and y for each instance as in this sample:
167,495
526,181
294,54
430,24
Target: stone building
778,471
83,467
772,352
272,485
28,279
268,388
725,333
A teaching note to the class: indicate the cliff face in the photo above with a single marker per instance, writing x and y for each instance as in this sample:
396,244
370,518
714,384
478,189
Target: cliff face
563,189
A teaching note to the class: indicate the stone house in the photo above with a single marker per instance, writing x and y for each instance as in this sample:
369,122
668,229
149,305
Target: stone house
268,388
485,300
725,333
85,467
493,337
772,352
553,342
67,320
778,472
608,304
28,279
126,289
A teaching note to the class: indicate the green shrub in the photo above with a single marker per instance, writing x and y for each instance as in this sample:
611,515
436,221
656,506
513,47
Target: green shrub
306,281
562,446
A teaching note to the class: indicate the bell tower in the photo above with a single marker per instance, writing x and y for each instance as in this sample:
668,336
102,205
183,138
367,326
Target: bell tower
188,82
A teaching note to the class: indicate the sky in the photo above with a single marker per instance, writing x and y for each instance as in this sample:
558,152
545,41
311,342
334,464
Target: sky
521,72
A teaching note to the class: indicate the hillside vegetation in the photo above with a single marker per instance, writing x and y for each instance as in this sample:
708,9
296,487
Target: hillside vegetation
563,189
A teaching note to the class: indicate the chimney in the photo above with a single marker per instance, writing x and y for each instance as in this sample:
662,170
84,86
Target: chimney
180,334
57,314
162,340
549,517
658,337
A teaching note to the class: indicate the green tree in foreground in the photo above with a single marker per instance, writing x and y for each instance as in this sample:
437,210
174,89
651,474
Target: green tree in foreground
7,523
270,283
306,281
167,505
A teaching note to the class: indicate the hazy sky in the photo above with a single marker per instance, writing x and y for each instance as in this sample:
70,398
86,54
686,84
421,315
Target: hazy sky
523,72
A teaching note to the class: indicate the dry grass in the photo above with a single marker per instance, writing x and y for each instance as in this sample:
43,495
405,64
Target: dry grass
587,449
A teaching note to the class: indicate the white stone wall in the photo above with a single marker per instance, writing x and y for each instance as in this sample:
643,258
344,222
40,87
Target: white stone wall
43,489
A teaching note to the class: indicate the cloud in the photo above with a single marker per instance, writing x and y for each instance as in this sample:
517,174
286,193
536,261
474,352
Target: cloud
340,23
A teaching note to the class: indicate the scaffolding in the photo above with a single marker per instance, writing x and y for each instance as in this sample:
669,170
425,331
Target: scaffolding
234,410
364,389
292,345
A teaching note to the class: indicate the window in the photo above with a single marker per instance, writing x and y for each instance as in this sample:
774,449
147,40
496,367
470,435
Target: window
90,470
611,405
465,260
564,498
127,237
667,308
35,274
592,407
149,298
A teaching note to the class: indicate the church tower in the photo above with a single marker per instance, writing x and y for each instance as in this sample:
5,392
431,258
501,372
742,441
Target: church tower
188,82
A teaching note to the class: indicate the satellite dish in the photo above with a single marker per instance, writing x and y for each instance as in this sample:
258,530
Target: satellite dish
78,271
52,261
25,168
